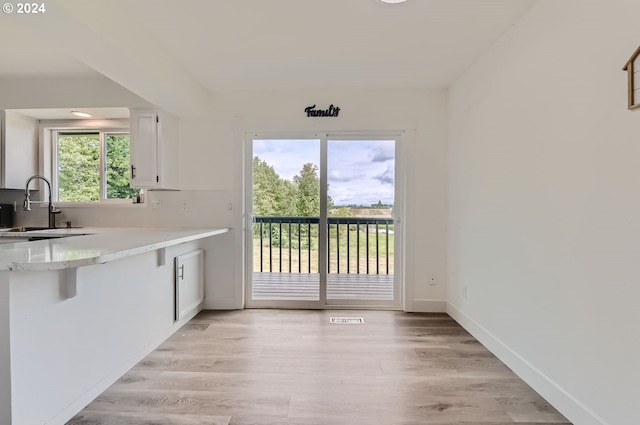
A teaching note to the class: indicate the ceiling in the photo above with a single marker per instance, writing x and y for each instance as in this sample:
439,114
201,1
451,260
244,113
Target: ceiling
65,113
194,48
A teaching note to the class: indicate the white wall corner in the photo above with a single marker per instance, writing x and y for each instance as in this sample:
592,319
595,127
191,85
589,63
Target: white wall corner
429,306
564,402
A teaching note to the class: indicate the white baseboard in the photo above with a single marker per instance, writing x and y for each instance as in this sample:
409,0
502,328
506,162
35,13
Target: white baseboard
564,402
81,402
429,306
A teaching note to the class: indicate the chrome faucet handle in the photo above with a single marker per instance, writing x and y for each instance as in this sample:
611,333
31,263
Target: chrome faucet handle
26,205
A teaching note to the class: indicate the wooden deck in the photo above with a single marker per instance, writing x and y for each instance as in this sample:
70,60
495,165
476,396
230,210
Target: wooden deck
305,286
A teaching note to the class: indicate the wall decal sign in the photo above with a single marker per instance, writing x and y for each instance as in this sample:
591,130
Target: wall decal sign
332,111
633,80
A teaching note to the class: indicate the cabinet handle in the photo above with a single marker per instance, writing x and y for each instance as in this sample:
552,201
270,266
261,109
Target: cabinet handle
181,272
133,172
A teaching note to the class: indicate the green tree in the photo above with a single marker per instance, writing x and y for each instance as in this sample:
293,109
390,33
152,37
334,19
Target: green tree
272,195
79,167
308,191
118,164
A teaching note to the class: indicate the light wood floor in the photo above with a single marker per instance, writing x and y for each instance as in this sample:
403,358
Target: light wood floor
293,367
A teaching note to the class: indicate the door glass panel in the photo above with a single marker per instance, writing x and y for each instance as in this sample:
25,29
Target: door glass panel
360,207
286,218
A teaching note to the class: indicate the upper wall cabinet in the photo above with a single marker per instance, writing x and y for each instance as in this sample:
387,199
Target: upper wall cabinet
18,149
154,150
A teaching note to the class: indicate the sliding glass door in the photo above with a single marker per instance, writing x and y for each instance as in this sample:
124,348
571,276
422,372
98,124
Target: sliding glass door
285,227
322,229
360,221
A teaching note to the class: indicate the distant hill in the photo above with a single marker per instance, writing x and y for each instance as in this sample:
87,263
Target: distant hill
374,212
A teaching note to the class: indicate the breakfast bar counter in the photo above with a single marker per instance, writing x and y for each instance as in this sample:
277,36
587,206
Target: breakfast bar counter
80,307
77,247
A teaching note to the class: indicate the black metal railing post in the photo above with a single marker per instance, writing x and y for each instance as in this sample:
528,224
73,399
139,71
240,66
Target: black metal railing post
348,249
338,247
328,248
358,246
270,247
387,246
299,249
377,249
309,243
261,245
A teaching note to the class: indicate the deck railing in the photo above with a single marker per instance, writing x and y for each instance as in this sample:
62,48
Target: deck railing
354,245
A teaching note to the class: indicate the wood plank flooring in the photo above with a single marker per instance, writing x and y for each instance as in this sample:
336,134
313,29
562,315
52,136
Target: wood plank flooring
292,367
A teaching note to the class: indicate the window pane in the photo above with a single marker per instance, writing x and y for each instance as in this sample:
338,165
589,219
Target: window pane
79,167
118,165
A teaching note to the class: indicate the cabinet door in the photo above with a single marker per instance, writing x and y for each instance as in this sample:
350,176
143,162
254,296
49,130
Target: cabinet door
189,283
18,149
144,149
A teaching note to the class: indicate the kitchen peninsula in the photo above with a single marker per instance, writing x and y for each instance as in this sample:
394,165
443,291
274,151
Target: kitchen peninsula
80,307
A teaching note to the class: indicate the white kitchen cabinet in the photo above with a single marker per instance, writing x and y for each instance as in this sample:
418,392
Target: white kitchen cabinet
18,149
189,283
154,150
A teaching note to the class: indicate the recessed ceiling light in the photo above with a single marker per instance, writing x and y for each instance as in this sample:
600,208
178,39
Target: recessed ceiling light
81,114
392,1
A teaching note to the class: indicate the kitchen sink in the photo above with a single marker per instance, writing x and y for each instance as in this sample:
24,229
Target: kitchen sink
26,229
32,238
33,233
33,229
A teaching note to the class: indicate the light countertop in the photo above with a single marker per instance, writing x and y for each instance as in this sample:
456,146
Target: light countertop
89,245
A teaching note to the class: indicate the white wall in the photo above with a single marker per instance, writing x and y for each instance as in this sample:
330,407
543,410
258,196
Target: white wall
545,206
211,169
211,158
27,93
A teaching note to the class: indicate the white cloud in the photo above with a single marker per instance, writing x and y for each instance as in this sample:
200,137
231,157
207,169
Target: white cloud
358,172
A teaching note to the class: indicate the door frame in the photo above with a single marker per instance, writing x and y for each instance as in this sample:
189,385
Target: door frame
398,216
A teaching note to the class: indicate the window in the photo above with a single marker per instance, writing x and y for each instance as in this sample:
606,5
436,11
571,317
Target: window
91,166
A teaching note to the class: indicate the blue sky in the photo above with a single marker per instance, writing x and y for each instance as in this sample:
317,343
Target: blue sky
359,172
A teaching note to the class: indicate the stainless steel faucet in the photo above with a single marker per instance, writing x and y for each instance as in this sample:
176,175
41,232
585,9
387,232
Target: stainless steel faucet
26,206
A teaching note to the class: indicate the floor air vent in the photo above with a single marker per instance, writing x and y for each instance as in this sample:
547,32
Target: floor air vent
347,321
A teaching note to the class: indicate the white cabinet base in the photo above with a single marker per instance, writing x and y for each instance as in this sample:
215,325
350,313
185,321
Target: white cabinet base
189,283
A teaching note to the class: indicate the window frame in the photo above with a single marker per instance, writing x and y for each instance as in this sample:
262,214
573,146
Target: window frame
52,148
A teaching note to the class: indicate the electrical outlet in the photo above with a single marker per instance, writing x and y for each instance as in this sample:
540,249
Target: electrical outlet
230,206
155,205
185,206
432,279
